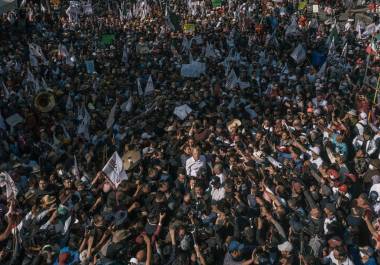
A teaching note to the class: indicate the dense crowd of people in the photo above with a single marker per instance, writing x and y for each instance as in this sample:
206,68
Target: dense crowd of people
249,133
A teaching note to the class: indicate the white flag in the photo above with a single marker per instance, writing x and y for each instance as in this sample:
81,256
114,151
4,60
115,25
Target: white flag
243,85
76,169
139,88
85,119
33,60
344,51
124,59
232,80
210,52
114,170
10,186
111,116
299,54
322,70
331,47
44,85
128,107
6,91
182,111
370,29
62,51
2,123
191,58
69,103
87,8
358,30
149,88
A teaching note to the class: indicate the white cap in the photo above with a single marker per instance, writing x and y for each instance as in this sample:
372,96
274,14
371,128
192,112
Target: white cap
133,261
315,150
286,246
363,115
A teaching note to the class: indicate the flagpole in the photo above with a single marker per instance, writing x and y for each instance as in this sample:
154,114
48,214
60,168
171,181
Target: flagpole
376,91
366,69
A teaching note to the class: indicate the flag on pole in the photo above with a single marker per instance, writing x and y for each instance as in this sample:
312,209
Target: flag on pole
358,30
149,88
114,170
76,169
372,47
232,80
124,59
322,70
299,54
127,106
5,90
85,119
62,51
344,51
111,116
139,88
87,8
332,47
370,29
10,186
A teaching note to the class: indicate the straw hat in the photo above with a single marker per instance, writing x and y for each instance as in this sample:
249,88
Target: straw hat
131,158
119,235
233,124
48,200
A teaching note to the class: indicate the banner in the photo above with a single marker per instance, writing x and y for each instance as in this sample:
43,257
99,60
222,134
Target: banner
114,170
107,39
193,69
216,3
302,5
299,54
189,28
182,111
90,66
10,186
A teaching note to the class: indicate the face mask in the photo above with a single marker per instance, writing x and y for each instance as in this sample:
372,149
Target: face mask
371,167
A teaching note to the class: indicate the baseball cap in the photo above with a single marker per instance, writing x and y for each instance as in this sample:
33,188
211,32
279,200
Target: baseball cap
235,246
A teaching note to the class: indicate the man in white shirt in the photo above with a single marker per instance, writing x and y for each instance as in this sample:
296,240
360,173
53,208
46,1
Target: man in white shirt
218,171
195,163
217,191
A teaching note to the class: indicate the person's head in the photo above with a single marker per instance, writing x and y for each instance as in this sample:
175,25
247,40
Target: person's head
366,253
187,198
196,153
160,197
163,186
236,250
340,253
315,213
43,184
68,183
198,190
218,169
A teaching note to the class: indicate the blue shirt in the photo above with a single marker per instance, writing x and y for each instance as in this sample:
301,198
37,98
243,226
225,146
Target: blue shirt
74,256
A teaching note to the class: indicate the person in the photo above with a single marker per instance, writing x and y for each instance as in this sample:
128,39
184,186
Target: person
196,163
189,132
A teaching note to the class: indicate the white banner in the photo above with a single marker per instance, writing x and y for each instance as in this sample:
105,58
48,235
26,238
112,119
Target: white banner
10,186
114,170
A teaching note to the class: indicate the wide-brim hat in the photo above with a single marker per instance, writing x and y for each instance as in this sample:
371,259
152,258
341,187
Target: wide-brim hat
48,200
119,235
233,124
131,158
